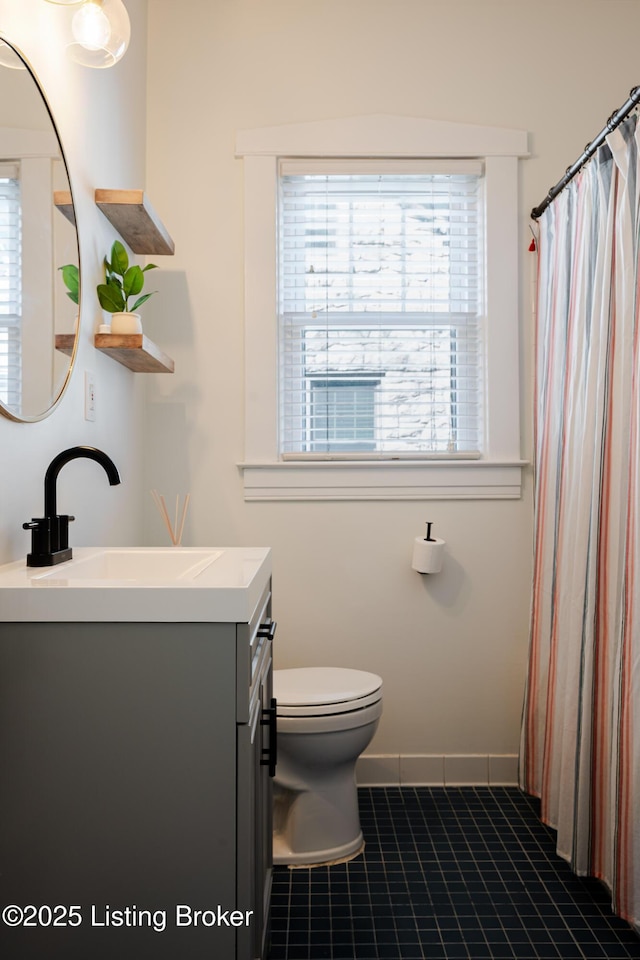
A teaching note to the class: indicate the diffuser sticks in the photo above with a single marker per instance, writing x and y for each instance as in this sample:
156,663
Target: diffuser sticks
176,528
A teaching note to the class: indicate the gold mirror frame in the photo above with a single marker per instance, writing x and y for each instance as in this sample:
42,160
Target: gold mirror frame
41,339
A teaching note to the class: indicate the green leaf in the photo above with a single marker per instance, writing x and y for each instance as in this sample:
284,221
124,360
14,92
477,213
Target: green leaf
71,280
70,276
150,266
111,298
133,281
141,300
119,258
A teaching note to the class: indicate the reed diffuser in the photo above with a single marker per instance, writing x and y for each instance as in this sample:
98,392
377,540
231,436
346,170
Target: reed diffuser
175,529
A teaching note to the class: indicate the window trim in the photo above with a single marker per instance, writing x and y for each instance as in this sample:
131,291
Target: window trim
498,473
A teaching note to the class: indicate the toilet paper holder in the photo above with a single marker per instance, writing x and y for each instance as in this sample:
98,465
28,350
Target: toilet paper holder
428,553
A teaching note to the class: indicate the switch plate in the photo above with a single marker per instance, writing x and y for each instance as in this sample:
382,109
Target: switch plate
89,395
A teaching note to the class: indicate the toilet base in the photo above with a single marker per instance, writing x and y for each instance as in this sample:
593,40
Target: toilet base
284,856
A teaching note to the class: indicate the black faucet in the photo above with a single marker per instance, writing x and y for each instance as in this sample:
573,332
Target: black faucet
50,534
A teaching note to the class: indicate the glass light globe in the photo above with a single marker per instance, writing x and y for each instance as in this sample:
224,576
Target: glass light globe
100,33
67,3
90,27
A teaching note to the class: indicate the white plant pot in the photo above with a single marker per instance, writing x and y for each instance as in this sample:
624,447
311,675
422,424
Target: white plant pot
126,323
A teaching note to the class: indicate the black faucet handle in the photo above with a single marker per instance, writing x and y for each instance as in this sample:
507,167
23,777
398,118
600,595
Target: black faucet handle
40,540
43,522
49,541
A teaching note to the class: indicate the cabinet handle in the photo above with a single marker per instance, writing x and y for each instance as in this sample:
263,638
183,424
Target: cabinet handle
269,755
267,629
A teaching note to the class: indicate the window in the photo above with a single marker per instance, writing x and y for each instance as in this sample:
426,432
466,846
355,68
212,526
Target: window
381,273
381,310
10,286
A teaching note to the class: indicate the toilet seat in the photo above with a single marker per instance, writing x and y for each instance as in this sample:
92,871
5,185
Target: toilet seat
324,691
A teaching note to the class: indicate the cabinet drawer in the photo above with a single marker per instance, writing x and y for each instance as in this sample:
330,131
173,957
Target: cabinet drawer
252,639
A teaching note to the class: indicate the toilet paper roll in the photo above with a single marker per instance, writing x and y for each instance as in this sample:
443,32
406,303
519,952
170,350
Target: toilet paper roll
428,555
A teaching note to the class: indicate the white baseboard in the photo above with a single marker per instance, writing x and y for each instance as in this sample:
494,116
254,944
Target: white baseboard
431,770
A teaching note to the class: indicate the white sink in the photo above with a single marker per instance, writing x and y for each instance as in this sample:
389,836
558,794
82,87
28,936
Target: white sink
141,566
108,584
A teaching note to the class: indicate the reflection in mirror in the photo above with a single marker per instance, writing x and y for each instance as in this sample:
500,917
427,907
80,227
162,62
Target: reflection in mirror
36,239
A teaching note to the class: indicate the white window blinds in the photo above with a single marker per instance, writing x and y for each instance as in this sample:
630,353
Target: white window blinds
381,309
10,287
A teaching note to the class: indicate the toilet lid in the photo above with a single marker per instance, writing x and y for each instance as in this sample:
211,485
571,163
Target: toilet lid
324,686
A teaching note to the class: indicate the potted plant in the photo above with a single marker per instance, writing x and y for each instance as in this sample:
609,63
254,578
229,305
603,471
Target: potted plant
122,283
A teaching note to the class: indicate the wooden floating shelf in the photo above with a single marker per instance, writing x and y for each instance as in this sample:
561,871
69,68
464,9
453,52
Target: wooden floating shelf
65,343
131,213
135,351
135,220
64,203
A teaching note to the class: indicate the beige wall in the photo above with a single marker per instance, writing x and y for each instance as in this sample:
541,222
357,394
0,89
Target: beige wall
451,649
101,120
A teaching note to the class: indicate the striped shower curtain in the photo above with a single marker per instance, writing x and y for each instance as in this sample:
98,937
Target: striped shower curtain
580,746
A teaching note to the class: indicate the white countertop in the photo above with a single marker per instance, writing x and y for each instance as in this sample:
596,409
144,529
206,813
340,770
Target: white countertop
225,588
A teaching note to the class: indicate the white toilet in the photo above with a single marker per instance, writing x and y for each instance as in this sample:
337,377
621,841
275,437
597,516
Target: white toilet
326,717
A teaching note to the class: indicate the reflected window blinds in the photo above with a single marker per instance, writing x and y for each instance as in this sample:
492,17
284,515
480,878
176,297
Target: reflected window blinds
10,286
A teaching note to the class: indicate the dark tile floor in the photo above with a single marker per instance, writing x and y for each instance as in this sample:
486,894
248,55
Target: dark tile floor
466,872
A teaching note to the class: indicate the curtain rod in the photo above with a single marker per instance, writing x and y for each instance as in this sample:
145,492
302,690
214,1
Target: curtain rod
614,120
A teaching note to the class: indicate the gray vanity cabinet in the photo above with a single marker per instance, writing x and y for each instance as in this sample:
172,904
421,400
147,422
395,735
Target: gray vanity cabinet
256,756
134,789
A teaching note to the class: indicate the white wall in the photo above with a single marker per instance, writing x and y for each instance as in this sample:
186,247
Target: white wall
451,649
101,120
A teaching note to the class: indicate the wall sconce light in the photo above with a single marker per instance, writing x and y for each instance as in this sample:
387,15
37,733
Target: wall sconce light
100,33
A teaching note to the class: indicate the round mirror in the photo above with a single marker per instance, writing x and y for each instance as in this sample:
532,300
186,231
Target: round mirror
39,259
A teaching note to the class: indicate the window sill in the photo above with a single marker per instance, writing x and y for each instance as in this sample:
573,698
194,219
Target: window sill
384,480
